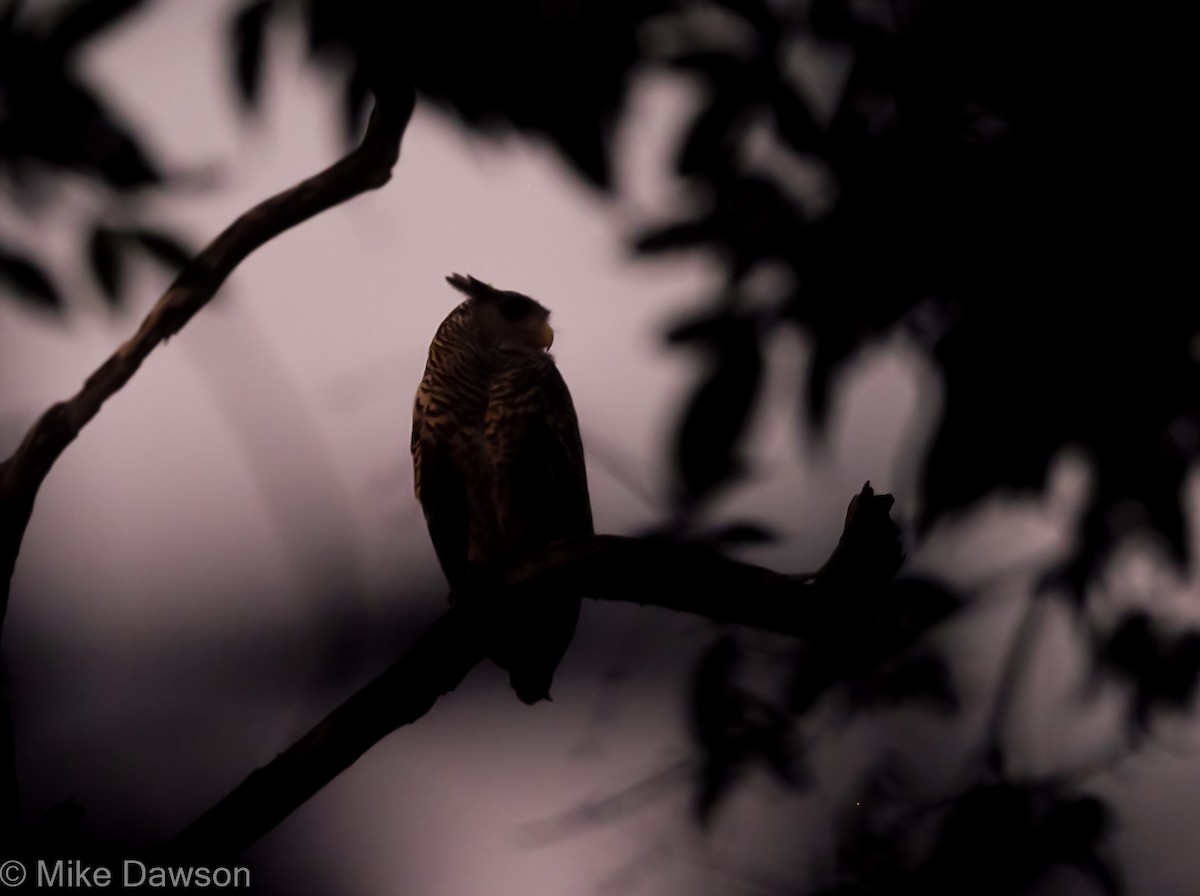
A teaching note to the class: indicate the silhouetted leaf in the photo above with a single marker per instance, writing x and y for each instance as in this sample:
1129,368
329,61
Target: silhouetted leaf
676,237
714,422
164,248
778,748
1101,873
104,256
795,120
833,19
718,717
9,11
733,728
356,101
249,28
710,144
715,696
860,638
912,606
923,679
1001,838
757,13
828,359
1163,669
715,66
79,21
27,281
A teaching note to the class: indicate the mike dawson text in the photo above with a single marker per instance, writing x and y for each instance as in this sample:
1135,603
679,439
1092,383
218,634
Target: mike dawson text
74,874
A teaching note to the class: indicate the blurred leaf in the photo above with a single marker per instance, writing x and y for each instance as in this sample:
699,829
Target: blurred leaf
999,839
675,237
81,20
55,120
1163,669
922,679
718,717
28,281
164,248
726,70
715,696
757,13
9,11
356,101
795,120
715,418
860,639
104,257
914,605
829,358
710,144
249,28
1102,874
733,728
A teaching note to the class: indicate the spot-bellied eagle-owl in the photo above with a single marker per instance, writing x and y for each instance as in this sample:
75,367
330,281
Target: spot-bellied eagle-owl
498,464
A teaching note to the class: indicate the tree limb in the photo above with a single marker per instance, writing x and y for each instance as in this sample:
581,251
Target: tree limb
367,167
403,693
677,575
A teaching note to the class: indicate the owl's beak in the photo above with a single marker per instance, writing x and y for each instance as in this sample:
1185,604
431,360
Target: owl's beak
546,336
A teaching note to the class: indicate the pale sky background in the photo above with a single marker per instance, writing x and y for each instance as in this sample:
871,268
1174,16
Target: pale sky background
248,495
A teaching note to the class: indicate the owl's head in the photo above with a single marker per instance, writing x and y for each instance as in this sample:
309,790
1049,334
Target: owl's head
505,318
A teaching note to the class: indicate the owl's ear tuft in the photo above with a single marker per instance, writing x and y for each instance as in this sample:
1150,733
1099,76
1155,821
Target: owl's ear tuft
475,289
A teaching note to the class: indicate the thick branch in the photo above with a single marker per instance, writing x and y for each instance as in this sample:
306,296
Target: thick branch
676,575
693,578
399,696
365,168
680,576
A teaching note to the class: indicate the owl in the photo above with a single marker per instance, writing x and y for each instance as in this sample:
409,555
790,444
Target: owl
498,467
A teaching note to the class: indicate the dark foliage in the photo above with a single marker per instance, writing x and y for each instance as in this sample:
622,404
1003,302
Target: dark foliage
714,421
249,31
556,69
55,125
977,188
51,118
28,281
106,261
109,249
980,202
998,187
1162,669
733,728
994,839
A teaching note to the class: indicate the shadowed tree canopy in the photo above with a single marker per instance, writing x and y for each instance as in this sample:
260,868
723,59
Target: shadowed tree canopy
1002,189
1000,182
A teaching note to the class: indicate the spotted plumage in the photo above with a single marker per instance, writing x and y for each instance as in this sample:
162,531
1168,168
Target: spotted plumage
498,464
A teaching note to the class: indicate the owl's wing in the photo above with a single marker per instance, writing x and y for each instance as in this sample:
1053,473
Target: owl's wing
540,495
442,491
542,489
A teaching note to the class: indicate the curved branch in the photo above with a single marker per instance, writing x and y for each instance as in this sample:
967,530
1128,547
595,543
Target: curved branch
680,576
365,168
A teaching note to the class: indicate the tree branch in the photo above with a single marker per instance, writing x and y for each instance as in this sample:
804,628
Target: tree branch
365,168
403,693
677,575
691,577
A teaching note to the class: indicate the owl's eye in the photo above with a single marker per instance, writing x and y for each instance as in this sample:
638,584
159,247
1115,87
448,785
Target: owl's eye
515,307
